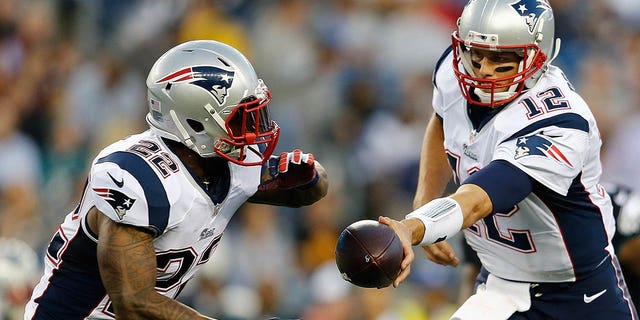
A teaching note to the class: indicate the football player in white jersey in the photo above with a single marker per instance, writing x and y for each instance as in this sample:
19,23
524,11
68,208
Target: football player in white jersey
156,204
626,243
524,149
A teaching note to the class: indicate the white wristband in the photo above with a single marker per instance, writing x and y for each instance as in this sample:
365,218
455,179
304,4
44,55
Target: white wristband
442,219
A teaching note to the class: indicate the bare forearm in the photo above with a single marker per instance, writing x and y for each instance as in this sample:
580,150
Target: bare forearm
443,217
127,263
475,203
434,171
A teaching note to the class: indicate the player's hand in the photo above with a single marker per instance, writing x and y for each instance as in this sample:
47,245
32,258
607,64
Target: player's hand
290,170
404,234
441,253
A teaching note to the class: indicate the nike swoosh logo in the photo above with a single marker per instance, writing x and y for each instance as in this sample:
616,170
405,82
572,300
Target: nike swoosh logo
119,184
589,299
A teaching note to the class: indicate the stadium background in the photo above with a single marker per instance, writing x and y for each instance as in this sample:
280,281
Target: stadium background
351,83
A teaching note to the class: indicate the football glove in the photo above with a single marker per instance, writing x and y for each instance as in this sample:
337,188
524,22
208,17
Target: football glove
290,170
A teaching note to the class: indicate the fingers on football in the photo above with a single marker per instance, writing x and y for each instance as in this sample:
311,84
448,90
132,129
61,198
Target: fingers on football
409,256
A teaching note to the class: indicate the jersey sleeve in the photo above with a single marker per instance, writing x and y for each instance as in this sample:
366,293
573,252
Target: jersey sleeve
551,153
442,80
128,191
437,103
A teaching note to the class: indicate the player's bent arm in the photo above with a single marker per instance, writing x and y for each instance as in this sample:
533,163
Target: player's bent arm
434,173
296,197
127,263
495,188
443,217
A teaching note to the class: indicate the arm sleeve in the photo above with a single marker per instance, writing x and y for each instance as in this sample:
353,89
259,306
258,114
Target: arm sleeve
505,184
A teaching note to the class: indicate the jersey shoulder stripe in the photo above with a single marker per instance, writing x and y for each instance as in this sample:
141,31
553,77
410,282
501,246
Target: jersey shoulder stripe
154,192
565,120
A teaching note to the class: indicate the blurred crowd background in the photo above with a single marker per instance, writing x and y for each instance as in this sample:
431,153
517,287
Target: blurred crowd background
351,81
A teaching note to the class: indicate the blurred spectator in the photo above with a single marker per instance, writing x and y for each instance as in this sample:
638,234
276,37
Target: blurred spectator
205,19
19,269
319,231
64,167
622,156
331,296
285,54
435,285
19,180
627,10
99,92
410,41
263,258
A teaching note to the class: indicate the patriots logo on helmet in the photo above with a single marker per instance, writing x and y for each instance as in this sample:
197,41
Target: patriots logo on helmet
119,201
538,145
531,10
213,79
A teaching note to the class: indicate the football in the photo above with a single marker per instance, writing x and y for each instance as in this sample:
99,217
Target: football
368,254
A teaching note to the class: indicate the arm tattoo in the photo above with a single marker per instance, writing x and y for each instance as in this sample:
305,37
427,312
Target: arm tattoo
127,262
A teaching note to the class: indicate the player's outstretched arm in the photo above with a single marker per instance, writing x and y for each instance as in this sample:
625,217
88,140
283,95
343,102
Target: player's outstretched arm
498,186
292,179
438,220
127,263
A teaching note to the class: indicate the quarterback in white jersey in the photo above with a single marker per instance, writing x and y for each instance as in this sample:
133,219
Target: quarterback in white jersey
556,143
156,204
524,149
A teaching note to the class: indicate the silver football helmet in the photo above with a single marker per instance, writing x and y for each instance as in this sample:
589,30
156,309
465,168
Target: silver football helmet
525,27
207,95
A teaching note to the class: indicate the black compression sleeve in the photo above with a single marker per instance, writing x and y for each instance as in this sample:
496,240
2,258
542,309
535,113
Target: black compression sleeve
505,184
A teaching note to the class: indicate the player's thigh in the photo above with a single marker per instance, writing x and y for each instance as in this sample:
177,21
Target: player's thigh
601,295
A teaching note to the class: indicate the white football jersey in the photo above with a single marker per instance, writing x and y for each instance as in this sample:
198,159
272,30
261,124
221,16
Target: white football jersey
563,229
137,181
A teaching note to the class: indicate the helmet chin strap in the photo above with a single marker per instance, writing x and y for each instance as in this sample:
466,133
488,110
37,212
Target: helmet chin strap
216,117
556,50
186,139
226,148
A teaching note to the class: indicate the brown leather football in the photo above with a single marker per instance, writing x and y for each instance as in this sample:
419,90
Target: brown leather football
368,254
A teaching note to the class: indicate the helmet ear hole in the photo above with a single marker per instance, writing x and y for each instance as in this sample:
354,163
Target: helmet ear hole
195,125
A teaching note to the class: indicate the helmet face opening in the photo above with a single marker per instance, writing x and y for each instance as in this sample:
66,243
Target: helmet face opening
248,124
522,27
497,90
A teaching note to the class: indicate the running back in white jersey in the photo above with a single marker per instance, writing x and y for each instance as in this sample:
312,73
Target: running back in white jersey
137,181
563,229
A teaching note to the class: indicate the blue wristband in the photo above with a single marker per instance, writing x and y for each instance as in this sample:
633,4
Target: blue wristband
311,183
